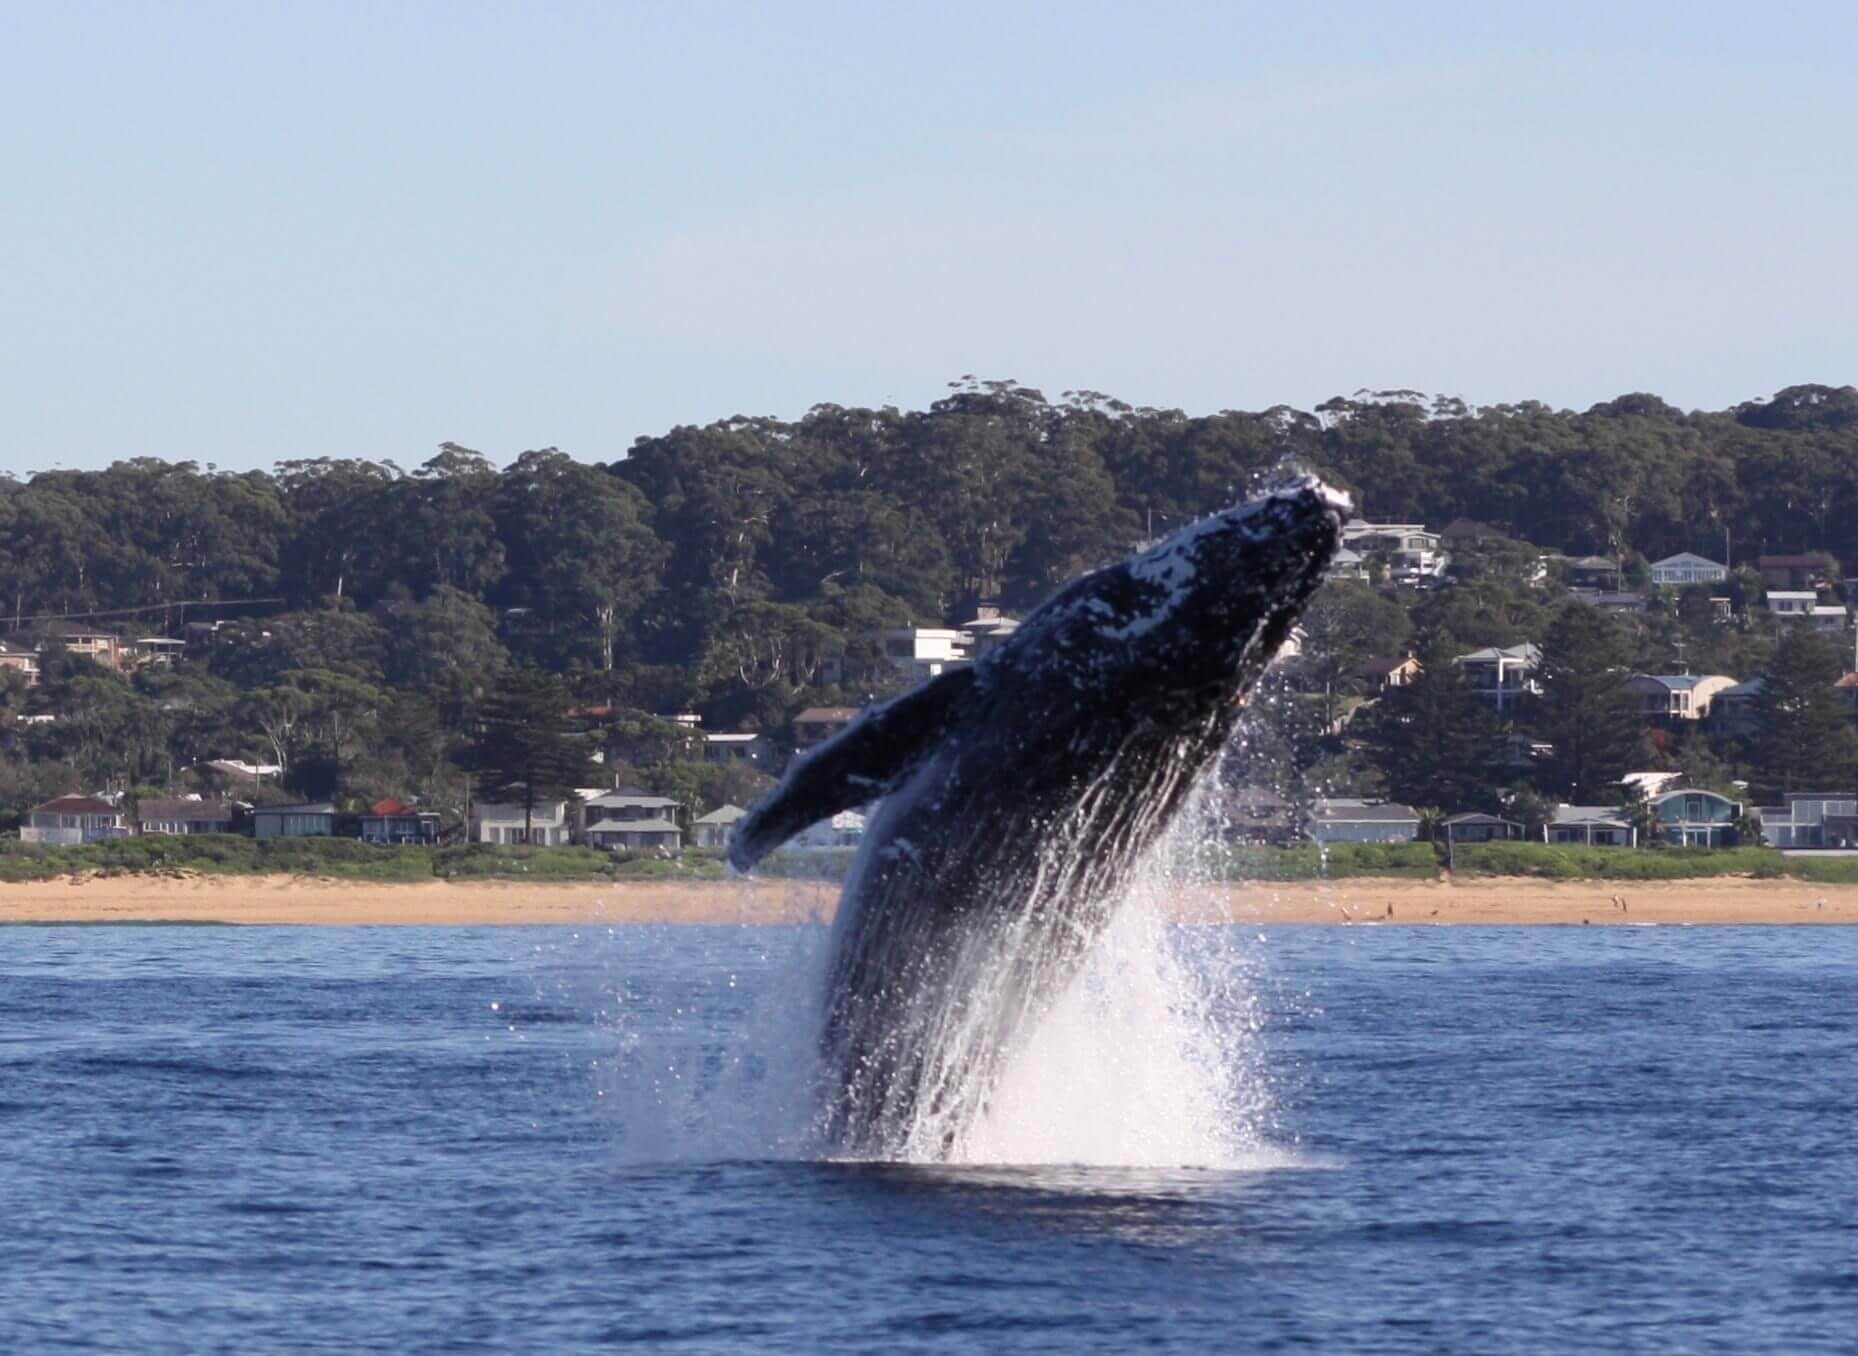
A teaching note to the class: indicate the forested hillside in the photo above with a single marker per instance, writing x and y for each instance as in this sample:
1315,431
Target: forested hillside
726,568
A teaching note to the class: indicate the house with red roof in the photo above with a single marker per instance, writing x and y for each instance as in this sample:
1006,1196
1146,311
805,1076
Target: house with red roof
392,821
69,820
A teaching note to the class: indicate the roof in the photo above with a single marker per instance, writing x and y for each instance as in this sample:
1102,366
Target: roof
634,826
1386,663
1476,817
13,647
1681,682
730,738
1593,563
641,799
1688,558
384,808
1341,812
1789,562
77,805
1829,610
723,814
1792,593
1526,652
1589,814
311,807
821,714
193,811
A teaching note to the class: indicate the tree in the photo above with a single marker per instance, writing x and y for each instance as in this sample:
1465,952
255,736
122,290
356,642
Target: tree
1803,738
526,749
1434,740
1345,625
1586,711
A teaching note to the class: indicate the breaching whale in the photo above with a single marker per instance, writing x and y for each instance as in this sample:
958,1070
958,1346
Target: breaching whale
1017,795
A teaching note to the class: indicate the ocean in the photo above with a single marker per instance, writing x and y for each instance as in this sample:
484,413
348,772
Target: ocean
1613,1139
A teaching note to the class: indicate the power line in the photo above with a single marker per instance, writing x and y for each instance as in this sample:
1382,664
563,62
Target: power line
152,607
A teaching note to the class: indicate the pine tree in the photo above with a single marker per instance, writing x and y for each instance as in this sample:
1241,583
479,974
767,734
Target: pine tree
1585,709
1434,740
526,749
1804,740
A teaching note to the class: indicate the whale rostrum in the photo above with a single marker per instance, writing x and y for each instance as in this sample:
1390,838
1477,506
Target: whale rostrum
1016,797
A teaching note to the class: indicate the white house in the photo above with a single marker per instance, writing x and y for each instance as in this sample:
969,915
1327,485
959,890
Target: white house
627,804
713,830
1791,603
1830,618
69,820
635,835
1501,676
923,652
1686,568
1412,553
1812,819
737,748
549,823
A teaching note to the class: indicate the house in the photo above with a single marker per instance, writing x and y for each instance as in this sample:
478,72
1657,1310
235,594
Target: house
1590,826
1795,573
1791,604
1684,568
494,822
1256,815
737,748
239,769
392,821
1501,676
630,804
634,835
988,630
1828,618
1469,532
1812,819
1411,552
1733,711
817,724
713,830
1377,675
925,652
1677,696
66,821
1343,820
106,647
1692,818
1592,572
313,819
162,651
1481,828
21,658
184,816
1347,564
843,830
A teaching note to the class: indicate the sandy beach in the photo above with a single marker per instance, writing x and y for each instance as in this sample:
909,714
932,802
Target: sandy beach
292,899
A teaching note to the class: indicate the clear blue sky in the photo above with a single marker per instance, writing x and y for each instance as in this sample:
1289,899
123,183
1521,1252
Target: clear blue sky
245,232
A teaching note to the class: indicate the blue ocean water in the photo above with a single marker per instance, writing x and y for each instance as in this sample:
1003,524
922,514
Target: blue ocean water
278,1139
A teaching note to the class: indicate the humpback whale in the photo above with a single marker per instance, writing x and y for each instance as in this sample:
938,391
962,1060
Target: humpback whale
1017,797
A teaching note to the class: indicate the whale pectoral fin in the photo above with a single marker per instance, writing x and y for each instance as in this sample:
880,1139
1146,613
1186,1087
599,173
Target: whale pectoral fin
858,765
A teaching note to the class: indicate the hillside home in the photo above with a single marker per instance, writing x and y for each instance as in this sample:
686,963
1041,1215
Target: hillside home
988,631
737,748
1593,572
1677,696
1795,573
713,830
817,724
1345,820
1348,564
67,821
925,652
1609,601
1828,618
1502,676
1377,675
1732,711
21,658
391,821
1411,552
492,822
313,819
106,647
1590,826
1674,572
1812,819
1792,604
158,651
1691,818
184,816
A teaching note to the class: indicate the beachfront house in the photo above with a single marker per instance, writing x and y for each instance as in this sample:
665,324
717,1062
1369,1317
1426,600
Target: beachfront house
1481,828
1346,820
634,835
1693,818
628,802
67,821
843,830
184,816
1590,826
392,821
1812,819
312,819
713,830
549,823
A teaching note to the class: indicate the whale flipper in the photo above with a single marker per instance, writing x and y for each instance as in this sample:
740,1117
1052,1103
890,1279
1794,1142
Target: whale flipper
855,766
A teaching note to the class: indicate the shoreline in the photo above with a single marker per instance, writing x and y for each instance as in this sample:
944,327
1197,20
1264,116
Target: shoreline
1480,901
